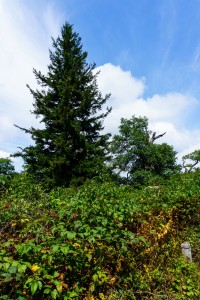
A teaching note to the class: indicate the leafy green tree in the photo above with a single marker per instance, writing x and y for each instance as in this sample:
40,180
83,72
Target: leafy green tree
136,158
70,147
7,170
6,167
191,160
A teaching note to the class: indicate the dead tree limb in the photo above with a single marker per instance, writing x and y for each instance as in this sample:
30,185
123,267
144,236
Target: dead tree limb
155,137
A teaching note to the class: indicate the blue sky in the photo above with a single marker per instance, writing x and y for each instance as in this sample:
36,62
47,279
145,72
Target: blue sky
148,53
156,39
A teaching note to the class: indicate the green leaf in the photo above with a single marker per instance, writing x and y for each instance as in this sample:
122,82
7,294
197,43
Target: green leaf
6,266
64,249
39,284
91,239
73,294
7,275
56,274
71,235
184,287
28,264
63,233
54,294
12,270
15,264
34,287
55,248
95,277
29,280
70,268
50,277
5,297
47,291
89,256
6,259
50,258
190,294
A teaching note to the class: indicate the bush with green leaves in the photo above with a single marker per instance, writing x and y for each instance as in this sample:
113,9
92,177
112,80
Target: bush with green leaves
100,241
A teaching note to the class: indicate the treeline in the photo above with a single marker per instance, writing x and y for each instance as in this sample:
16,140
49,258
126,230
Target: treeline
71,147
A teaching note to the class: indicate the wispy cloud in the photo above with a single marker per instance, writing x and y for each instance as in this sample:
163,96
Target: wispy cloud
167,26
53,19
195,64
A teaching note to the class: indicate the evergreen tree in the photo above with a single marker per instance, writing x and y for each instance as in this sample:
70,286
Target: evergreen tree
69,104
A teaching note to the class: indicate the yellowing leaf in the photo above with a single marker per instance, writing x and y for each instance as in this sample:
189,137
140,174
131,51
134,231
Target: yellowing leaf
65,285
35,267
59,287
112,280
101,296
43,251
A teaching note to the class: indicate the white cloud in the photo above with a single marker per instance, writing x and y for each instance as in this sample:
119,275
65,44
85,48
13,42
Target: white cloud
120,83
168,112
4,154
25,38
17,162
6,128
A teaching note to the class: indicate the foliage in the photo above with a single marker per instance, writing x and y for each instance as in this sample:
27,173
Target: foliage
6,167
96,240
70,146
7,170
137,157
100,241
191,160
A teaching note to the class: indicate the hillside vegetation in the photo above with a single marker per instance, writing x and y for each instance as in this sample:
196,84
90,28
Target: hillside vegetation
91,215
100,241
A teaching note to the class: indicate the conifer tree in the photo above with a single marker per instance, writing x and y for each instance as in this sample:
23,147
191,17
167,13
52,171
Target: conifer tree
69,105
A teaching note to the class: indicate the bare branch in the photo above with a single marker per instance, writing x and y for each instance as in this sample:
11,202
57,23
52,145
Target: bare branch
154,137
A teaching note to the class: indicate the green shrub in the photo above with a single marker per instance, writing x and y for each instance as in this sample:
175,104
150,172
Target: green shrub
99,241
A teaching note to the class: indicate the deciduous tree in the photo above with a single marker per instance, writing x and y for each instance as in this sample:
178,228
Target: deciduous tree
136,157
7,171
191,160
6,167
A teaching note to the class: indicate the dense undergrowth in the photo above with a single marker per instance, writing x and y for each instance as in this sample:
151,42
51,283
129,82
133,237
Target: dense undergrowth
100,241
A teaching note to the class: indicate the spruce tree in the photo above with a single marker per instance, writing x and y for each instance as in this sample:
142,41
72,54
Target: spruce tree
70,146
